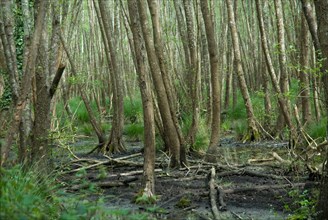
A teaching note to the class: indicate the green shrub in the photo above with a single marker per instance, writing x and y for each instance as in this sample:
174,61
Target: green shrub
303,205
134,132
133,110
29,195
25,195
318,130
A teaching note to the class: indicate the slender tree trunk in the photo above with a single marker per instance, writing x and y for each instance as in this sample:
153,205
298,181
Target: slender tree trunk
321,7
193,72
281,99
253,133
304,77
172,136
282,62
85,99
147,101
115,143
215,82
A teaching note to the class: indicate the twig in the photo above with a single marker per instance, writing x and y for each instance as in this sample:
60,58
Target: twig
236,215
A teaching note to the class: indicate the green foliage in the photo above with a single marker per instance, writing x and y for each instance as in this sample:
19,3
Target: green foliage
303,206
183,203
134,132
318,130
202,136
29,195
5,99
26,195
133,110
142,199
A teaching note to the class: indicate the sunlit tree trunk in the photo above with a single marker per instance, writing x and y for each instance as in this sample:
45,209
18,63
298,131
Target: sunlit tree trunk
282,61
163,64
147,102
253,133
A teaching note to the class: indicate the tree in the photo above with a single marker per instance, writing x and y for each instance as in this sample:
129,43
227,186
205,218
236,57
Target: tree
253,133
194,73
215,83
281,99
115,143
26,82
321,7
147,102
170,130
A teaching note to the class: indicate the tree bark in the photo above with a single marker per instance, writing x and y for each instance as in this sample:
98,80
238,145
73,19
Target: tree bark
321,7
147,101
193,72
26,80
253,133
170,131
215,82
304,77
281,99
115,143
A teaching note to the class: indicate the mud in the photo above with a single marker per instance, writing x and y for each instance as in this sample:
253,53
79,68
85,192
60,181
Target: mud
183,198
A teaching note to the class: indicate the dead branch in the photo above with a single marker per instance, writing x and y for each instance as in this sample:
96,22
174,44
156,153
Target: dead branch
105,184
278,158
266,187
213,194
223,205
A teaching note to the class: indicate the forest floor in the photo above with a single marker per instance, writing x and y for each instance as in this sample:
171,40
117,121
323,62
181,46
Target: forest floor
253,184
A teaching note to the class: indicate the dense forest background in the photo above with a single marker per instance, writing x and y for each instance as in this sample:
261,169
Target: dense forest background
178,77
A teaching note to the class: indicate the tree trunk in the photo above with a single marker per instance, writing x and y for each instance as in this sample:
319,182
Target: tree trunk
282,62
147,101
193,72
215,82
321,7
304,77
170,131
281,99
253,133
115,143
26,83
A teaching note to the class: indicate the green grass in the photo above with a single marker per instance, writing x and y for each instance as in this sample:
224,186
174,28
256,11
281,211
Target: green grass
29,195
318,130
25,195
133,110
134,132
202,136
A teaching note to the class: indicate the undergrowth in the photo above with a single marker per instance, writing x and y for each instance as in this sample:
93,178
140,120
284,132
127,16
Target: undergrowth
29,195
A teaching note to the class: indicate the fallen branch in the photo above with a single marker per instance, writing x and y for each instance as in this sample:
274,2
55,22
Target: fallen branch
223,205
266,187
278,158
213,194
110,160
105,184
